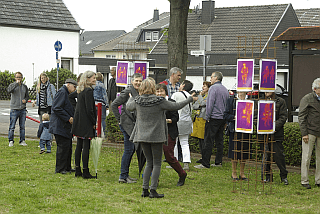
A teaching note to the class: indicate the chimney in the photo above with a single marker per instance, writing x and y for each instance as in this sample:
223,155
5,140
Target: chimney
207,12
155,15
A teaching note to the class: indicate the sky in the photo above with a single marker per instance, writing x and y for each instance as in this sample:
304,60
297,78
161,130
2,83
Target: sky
102,15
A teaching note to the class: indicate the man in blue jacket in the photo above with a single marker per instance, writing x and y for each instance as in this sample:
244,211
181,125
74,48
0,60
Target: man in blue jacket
19,98
60,125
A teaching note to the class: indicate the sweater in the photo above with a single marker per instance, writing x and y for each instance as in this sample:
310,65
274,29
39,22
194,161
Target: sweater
18,93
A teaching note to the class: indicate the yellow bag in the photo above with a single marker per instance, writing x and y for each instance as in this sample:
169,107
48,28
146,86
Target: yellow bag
198,128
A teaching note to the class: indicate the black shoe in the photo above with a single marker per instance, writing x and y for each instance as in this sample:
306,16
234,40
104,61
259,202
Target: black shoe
307,186
199,161
181,180
318,185
145,193
78,172
86,174
72,170
235,179
154,194
285,181
243,178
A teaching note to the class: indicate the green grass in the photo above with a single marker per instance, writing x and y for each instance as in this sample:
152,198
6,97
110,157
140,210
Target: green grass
28,185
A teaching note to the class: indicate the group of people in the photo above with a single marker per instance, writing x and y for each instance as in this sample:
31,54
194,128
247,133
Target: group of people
158,117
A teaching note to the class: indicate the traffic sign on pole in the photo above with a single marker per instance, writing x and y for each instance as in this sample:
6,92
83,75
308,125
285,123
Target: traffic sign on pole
58,45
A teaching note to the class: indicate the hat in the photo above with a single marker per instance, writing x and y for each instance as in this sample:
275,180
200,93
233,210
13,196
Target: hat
72,81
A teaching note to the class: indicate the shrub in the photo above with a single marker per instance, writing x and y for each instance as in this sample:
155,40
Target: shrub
114,134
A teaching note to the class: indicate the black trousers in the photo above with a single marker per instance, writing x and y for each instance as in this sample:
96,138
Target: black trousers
213,134
278,157
83,145
64,152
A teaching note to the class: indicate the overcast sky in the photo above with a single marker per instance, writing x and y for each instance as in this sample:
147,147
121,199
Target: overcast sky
101,15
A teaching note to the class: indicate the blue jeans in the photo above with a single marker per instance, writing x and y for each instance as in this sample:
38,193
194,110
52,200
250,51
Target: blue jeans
45,143
127,155
14,115
103,118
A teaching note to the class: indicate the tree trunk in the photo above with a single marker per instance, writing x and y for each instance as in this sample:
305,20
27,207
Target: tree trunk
177,37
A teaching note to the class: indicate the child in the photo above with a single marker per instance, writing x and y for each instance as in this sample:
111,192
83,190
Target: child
44,135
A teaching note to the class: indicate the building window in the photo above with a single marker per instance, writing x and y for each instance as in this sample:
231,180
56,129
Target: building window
135,56
155,36
66,64
110,56
148,36
124,56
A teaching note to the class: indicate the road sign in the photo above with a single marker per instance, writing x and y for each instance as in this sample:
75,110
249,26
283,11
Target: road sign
205,42
58,46
197,53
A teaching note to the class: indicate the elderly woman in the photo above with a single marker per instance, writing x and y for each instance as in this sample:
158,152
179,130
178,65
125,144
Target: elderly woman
84,122
45,94
200,120
151,130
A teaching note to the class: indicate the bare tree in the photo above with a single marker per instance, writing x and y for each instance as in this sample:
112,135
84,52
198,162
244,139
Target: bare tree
177,36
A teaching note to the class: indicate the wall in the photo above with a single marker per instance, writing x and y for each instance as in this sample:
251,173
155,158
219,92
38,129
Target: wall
23,46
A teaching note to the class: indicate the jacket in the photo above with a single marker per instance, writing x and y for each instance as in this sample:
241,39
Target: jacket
309,115
51,92
18,93
201,104
185,122
100,93
73,99
151,126
127,119
61,112
172,127
229,114
216,101
43,131
85,115
112,90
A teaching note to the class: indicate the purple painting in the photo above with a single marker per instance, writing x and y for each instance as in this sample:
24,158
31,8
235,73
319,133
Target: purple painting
268,70
245,71
141,67
244,116
266,117
122,73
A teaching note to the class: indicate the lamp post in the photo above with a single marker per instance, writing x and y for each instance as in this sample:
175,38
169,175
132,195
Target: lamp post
33,73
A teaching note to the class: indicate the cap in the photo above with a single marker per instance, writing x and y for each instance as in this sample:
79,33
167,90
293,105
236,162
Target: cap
72,81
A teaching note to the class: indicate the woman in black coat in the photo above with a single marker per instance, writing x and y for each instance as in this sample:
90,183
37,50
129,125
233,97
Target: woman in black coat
84,122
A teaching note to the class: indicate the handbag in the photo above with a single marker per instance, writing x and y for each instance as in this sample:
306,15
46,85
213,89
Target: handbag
226,130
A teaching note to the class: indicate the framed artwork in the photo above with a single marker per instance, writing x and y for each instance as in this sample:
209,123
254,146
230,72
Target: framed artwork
266,117
244,116
142,68
245,72
122,73
268,72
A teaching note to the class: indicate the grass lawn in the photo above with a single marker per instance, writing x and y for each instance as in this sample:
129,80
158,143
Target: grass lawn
28,185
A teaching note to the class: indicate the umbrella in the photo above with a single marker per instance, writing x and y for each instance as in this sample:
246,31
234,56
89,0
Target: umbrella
95,151
140,156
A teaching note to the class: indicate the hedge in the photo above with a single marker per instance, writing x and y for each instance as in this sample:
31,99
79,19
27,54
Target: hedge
292,141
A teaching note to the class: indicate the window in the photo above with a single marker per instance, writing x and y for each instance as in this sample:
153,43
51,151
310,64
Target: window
155,36
66,64
110,56
135,56
148,36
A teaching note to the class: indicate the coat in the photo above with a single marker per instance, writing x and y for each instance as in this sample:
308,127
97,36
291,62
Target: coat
43,131
85,115
151,126
309,115
172,127
127,119
61,112
112,90
51,92
18,93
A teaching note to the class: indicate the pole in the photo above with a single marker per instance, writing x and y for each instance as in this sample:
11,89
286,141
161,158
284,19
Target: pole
57,70
32,73
204,60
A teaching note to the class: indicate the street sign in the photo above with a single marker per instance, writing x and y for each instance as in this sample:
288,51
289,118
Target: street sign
58,46
197,53
205,42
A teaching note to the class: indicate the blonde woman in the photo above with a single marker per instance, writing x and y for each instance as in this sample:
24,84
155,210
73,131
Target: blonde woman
45,93
84,122
151,130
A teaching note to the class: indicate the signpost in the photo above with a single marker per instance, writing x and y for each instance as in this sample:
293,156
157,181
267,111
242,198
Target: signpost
57,47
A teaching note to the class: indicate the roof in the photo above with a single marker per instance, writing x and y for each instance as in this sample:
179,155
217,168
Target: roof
129,40
49,14
300,33
308,17
228,24
91,39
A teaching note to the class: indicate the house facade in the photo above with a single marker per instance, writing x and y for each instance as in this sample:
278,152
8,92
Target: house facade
29,29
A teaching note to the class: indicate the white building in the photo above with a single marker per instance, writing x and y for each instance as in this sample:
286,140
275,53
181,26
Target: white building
28,31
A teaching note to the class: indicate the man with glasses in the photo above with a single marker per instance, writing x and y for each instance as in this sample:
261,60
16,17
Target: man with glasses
19,98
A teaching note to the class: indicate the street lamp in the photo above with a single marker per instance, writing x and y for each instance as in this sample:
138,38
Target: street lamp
32,73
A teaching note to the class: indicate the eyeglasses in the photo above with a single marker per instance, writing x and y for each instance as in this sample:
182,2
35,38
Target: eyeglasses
19,77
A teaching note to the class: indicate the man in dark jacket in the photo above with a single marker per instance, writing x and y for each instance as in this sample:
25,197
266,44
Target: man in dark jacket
309,121
126,124
60,125
19,98
278,137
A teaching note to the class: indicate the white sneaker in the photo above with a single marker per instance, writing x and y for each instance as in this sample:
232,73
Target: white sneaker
11,144
168,167
200,167
186,166
23,143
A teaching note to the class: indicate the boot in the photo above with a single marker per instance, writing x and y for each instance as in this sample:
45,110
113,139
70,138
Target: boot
181,180
154,194
78,172
86,174
145,193
186,166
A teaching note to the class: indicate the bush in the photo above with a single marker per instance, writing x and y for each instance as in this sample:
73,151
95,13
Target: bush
114,134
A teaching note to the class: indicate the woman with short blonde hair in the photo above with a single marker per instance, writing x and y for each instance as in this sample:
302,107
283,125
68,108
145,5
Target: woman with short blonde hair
148,86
